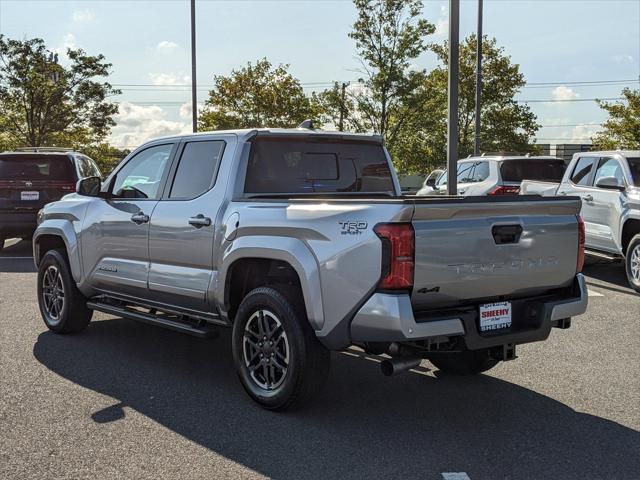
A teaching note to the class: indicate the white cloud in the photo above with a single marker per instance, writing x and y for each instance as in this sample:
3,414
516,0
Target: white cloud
442,25
83,16
583,133
135,124
564,93
185,110
622,58
166,46
169,78
68,41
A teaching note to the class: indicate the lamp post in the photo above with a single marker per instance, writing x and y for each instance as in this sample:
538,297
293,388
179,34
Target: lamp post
452,122
194,94
476,149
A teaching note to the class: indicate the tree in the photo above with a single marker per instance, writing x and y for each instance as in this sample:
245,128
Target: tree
389,35
256,96
622,129
506,125
43,102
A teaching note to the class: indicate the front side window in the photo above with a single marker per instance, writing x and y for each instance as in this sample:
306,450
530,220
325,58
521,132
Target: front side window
582,171
141,176
609,167
197,168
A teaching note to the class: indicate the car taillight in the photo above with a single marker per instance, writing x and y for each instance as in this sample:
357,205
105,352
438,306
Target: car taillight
581,242
505,190
67,187
398,245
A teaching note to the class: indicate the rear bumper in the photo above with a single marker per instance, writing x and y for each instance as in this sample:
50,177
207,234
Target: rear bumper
390,318
18,223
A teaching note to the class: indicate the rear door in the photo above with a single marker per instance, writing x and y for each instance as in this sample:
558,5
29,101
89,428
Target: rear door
115,235
182,228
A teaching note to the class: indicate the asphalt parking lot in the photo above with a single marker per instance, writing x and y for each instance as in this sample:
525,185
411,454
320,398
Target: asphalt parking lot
125,400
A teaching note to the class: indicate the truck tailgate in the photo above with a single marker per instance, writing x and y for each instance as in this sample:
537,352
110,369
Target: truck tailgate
477,249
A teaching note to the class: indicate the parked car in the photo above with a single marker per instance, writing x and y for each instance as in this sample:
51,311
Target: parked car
609,184
500,175
33,177
301,242
430,182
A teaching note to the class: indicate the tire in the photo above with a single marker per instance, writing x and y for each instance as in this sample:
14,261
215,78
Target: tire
62,306
293,345
632,263
467,362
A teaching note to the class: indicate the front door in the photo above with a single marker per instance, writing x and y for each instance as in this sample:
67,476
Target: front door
606,206
580,184
182,227
115,237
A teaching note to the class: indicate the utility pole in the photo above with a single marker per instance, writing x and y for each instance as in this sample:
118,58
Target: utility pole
476,149
452,122
343,92
194,94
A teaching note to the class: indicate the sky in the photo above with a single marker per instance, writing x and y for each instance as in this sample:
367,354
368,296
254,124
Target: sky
565,48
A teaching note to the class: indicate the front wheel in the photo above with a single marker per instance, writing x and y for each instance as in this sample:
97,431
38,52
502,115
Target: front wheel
632,263
278,358
62,306
467,362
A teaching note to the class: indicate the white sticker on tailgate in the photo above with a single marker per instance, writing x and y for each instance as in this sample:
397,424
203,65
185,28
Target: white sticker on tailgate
29,195
494,316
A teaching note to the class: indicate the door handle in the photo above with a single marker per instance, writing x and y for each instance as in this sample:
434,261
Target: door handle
588,198
139,218
200,221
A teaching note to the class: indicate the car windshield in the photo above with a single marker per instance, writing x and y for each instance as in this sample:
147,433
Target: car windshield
468,172
634,166
551,170
35,167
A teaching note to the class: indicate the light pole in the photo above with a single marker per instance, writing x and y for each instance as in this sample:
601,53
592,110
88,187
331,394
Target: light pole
452,122
194,94
476,149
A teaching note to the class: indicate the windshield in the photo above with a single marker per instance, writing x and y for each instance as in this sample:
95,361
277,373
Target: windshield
551,170
468,172
634,166
35,167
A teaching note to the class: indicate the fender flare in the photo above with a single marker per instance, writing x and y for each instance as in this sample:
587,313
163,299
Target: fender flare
291,250
63,229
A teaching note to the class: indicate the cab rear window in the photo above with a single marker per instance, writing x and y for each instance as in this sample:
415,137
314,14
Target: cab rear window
634,166
283,166
529,169
36,167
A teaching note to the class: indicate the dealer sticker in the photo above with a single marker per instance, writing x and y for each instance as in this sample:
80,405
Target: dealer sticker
495,316
29,195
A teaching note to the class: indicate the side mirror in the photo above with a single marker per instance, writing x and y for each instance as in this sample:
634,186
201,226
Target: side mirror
610,183
431,182
89,187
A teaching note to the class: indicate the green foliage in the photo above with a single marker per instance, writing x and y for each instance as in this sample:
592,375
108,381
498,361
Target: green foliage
622,129
389,35
256,96
506,125
44,102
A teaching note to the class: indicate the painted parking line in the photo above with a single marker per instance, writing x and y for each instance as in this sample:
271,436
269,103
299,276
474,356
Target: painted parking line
593,293
455,476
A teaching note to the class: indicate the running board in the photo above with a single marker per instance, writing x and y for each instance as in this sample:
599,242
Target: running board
603,255
152,318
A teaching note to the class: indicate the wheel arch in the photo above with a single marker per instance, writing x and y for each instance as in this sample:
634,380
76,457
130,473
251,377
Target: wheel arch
630,229
58,234
266,260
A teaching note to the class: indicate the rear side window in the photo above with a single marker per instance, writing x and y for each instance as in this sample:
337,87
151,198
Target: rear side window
36,167
473,172
532,169
197,169
281,166
582,171
634,166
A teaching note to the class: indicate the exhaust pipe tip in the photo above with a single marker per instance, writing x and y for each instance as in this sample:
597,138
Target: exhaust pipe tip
396,365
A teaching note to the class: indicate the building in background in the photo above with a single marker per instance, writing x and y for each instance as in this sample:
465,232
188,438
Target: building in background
564,150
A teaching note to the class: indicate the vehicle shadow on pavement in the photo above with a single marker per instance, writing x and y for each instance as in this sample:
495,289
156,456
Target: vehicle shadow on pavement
609,276
363,425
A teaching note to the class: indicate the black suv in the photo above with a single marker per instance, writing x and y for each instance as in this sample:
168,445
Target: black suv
33,177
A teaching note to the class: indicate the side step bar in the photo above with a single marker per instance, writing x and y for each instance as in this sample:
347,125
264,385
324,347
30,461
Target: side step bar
603,255
204,331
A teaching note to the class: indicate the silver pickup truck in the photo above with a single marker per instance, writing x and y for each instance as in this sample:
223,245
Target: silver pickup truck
301,241
608,183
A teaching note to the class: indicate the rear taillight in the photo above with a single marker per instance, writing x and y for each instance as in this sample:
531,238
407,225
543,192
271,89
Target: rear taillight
505,190
581,242
67,187
398,242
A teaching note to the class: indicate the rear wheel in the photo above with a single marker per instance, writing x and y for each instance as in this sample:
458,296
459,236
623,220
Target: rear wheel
632,263
279,360
467,362
62,306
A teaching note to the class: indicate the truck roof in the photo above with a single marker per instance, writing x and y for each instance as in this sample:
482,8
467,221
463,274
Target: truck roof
508,157
249,133
625,153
